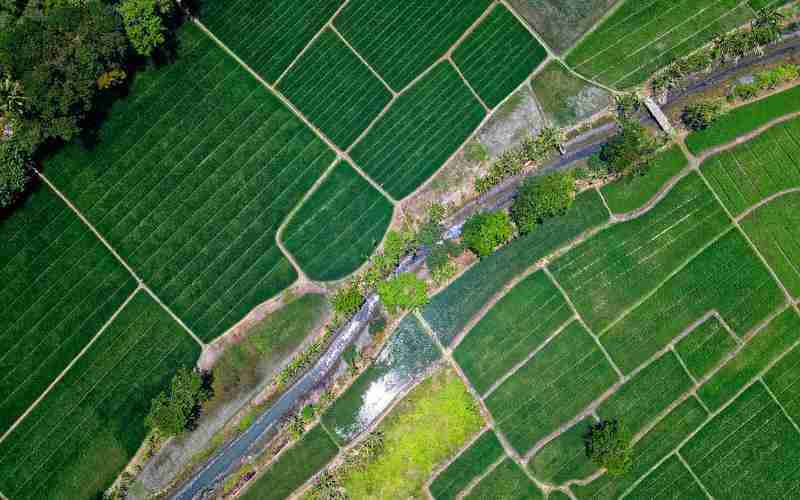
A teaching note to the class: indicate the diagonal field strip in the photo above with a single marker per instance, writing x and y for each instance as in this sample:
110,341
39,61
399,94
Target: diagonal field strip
694,476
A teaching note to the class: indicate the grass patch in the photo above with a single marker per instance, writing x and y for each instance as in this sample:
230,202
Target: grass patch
783,379
79,438
421,130
498,56
449,311
335,90
564,458
561,380
192,176
268,36
427,427
705,347
757,169
336,230
565,98
633,192
773,340
60,285
294,466
401,40
744,119
670,480
485,451
506,482
519,323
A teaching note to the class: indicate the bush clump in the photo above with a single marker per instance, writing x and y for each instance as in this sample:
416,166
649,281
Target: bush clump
171,414
540,198
346,301
703,114
630,151
13,172
484,232
405,292
608,445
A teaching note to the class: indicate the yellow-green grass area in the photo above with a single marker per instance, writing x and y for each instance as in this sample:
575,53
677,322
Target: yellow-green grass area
565,98
657,444
294,466
60,285
749,450
420,131
339,226
518,324
472,462
190,179
705,347
87,428
406,357
744,119
762,167
727,277
633,192
334,89
775,230
781,334
498,55
400,40
564,458
636,403
612,271
435,420
671,479
643,36
557,383
506,482
267,34
450,310
783,379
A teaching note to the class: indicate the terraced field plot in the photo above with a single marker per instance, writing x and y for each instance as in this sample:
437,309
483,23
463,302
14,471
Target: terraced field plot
670,480
705,347
783,380
60,285
402,39
506,482
562,22
335,90
641,37
339,226
89,426
267,34
190,181
564,457
485,451
498,56
421,130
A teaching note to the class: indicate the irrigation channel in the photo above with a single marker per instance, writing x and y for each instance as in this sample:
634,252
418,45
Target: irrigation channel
231,456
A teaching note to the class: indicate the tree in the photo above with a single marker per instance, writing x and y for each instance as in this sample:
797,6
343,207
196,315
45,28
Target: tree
404,292
13,171
347,300
701,115
144,23
485,231
630,151
172,414
608,445
540,198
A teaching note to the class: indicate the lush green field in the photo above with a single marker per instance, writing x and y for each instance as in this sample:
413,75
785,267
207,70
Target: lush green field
339,225
672,480
642,36
430,425
615,269
519,323
705,347
561,380
780,335
450,311
562,22
89,426
744,119
747,174
783,380
633,192
506,482
775,230
565,98
498,56
750,450
401,39
294,466
190,180
564,457
727,277
485,451
335,90
267,35
666,435
60,285
404,358
421,130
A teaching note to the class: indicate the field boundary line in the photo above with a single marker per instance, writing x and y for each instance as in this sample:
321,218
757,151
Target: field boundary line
440,468
605,17
739,140
605,203
475,481
778,402
520,19
486,109
766,201
683,364
174,316
691,471
358,54
72,363
657,198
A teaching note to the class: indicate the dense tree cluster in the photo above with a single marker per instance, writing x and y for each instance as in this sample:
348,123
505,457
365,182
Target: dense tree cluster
608,445
171,414
543,197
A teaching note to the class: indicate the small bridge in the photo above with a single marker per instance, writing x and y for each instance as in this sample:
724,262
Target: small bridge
659,115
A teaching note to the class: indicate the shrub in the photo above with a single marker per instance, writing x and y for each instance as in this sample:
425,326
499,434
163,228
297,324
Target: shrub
513,162
628,105
13,172
172,414
701,115
631,150
442,253
608,445
485,231
476,152
346,301
541,198
404,292
746,91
